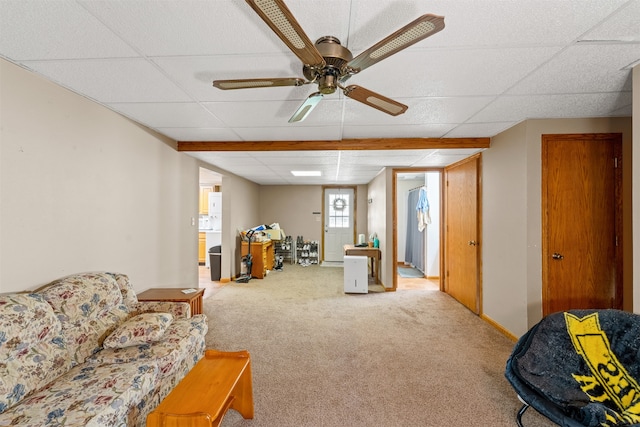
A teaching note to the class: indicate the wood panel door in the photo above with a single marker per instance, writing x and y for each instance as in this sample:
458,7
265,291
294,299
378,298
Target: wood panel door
582,221
462,232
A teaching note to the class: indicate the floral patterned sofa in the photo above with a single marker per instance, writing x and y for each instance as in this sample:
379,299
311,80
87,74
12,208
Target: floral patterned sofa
83,351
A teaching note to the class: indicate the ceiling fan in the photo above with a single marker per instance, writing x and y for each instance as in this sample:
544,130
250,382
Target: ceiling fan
329,64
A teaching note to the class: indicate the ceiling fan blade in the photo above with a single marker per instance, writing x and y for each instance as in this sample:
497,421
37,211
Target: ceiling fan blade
255,83
421,28
277,16
306,107
375,100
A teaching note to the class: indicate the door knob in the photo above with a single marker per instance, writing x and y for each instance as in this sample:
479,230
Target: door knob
557,256
472,243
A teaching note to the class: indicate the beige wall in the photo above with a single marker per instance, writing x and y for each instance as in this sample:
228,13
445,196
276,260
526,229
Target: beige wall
240,210
379,218
82,188
295,208
512,234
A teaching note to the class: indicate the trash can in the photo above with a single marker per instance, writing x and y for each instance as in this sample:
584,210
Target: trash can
215,257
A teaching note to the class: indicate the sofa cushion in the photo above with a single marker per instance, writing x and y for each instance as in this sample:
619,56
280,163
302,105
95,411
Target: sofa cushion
83,295
87,395
140,329
89,306
129,297
32,349
183,338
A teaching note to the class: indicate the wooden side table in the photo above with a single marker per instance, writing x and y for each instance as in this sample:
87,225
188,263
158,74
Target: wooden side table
176,295
373,253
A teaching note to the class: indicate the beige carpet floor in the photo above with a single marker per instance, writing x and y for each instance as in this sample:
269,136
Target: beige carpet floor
324,358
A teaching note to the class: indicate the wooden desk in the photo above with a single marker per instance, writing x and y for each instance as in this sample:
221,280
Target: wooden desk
262,254
373,253
175,294
219,381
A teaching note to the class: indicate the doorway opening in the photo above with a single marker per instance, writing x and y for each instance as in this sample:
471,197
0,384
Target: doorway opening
209,223
417,228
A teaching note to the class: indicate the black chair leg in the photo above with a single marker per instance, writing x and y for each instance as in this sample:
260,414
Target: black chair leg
520,413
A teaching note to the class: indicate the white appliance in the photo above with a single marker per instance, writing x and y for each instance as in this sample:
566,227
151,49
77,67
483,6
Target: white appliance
215,210
356,276
214,221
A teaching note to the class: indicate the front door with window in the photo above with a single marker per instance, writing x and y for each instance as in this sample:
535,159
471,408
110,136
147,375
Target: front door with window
338,222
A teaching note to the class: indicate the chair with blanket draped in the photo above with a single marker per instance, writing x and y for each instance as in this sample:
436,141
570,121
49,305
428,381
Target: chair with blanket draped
580,368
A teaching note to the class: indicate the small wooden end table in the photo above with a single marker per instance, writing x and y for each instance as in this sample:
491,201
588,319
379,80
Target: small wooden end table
219,381
176,295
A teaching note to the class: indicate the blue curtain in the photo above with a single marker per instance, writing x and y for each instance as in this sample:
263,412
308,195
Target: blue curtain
414,251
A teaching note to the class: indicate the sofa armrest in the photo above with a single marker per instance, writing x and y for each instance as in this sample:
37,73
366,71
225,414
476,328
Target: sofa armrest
177,309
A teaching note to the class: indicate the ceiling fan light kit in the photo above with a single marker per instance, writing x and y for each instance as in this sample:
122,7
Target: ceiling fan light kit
329,64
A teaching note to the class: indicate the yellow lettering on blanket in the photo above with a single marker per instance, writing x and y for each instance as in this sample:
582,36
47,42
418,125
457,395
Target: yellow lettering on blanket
610,383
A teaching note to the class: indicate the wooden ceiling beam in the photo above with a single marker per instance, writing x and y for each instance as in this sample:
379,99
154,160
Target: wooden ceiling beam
344,144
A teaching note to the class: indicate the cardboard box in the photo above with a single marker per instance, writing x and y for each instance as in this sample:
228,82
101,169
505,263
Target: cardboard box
274,234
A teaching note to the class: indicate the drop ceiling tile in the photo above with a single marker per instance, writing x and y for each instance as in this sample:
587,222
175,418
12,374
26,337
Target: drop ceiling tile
295,154
396,131
169,114
624,111
517,108
421,111
289,132
55,30
274,113
484,23
286,163
452,72
623,25
475,130
196,74
203,27
375,159
182,27
110,81
278,158
583,68
199,134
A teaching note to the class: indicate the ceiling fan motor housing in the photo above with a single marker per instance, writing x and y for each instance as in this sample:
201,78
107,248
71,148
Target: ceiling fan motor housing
336,57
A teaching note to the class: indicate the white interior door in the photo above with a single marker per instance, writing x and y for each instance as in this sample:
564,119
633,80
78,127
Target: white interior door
338,222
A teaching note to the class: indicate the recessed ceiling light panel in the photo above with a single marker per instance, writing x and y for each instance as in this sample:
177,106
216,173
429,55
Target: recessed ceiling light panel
306,173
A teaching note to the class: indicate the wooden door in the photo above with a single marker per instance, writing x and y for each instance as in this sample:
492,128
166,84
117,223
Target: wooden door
462,233
581,209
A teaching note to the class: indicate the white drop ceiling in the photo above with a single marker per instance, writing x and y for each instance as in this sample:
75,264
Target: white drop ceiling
495,64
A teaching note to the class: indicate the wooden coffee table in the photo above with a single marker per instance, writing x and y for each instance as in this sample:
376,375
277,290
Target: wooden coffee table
176,295
219,381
